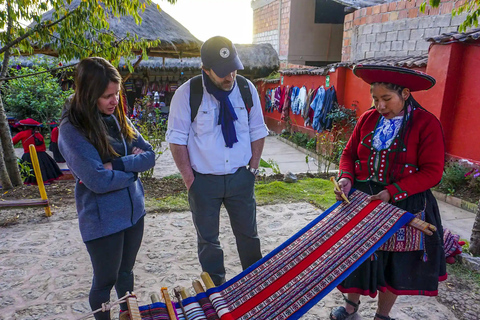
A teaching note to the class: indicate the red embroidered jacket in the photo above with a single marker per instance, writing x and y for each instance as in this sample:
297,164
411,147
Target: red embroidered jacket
419,164
26,136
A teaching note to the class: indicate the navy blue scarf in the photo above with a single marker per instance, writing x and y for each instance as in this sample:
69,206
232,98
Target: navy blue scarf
227,113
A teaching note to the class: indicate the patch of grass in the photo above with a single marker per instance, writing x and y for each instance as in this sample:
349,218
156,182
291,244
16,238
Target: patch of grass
461,272
316,191
176,203
173,176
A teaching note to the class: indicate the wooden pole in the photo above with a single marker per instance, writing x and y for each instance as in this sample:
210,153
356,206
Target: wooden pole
38,176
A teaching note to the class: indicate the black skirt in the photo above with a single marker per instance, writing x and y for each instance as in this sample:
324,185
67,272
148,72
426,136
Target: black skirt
53,147
48,167
403,273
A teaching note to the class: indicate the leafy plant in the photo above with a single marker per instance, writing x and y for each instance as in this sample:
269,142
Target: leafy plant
274,165
154,133
453,176
311,144
25,169
299,138
38,96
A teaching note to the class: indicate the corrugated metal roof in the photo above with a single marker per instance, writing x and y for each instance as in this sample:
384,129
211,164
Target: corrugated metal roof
405,61
363,3
468,36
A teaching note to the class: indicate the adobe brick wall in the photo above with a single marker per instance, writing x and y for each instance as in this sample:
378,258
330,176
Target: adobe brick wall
396,29
266,24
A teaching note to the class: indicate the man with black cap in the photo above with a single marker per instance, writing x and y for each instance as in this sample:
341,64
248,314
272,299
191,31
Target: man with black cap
217,150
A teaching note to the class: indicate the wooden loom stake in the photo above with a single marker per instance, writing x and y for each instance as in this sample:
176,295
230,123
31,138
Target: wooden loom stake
38,176
197,286
416,223
133,310
181,294
207,280
155,297
337,187
168,303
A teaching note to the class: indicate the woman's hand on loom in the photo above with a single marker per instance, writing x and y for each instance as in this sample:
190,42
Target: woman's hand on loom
345,186
383,195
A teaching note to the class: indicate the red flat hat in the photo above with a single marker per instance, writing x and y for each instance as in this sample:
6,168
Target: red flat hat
407,78
29,122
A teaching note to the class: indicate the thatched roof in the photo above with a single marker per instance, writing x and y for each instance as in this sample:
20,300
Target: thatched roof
176,40
259,60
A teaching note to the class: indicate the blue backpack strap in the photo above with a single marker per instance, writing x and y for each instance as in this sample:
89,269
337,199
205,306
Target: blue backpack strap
196,95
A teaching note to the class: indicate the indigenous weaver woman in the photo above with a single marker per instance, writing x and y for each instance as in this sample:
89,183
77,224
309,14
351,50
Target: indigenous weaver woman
105,154
396,153
30,135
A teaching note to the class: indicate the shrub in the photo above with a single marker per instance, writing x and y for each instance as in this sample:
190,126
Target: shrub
453,176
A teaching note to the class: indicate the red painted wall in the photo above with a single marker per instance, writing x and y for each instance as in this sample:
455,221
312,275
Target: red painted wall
454,99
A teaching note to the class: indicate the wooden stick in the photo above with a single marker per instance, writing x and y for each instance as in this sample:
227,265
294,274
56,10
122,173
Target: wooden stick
39,178
423,226
155,297
337,187
207,280
133,310
197,286
168,303
178,294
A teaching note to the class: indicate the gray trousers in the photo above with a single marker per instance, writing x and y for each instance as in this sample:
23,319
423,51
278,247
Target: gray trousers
236,192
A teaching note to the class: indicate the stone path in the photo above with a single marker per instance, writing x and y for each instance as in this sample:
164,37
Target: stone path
45,271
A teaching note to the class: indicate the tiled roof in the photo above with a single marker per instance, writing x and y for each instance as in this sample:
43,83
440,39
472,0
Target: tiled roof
469,36
405,61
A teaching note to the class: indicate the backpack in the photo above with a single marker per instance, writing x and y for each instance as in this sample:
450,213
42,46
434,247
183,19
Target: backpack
196,93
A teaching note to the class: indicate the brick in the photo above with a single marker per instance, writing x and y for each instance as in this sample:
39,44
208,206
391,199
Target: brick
380,54
397,45
375,46
416,34
413,13
431,32
426,22
446,8
346,42
376,9
443,20
356,14
356,22
369,11
393,16
422,45
401,53
387,27
433,11
392,6
403,35
371,38
377,18
403,14
415,53
367,29
392,35
457,20
410,4
448,30
369,54
409,45
400,25
363,20
384,8
349,17
386,46
363,12
401,5
412,23
377,28
381,37
370,19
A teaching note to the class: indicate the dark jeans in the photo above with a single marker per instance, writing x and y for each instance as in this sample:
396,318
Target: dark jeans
113,258
236,192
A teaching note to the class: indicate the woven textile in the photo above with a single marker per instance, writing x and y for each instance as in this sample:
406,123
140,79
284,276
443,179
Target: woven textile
290,280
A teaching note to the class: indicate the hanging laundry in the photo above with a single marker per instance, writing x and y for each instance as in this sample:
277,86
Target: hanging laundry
286,105
317,106
299,102
329,103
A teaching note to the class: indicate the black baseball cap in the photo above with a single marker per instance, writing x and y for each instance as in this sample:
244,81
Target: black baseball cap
219,54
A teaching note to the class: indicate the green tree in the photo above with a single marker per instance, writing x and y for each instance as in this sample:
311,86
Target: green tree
38,96
470,7
74,30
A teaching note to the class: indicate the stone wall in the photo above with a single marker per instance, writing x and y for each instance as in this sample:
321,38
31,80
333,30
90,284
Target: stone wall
396,29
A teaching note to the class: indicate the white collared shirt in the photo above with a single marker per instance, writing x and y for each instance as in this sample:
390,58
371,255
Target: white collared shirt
203,137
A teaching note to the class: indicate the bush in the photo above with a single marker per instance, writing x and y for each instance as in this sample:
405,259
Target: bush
300,139
453,176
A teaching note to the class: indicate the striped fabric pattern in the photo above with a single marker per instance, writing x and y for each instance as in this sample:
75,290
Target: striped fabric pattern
291,279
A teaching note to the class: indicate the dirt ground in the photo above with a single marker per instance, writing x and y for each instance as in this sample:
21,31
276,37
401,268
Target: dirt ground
458,293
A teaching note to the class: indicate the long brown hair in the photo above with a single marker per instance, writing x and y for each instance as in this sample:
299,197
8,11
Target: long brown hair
92,79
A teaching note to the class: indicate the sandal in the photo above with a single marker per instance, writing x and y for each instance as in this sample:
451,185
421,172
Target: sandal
340,313
382,317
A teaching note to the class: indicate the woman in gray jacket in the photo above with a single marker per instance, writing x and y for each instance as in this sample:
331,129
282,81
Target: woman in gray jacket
105,154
